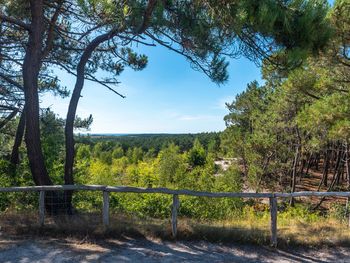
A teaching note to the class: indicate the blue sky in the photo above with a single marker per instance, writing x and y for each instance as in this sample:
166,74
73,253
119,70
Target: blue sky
168,96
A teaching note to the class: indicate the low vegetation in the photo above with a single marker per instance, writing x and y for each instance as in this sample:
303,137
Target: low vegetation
296,226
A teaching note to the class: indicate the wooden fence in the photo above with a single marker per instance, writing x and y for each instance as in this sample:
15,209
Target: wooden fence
176,203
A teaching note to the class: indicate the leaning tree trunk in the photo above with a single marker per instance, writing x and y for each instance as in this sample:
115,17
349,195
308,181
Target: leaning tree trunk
73,104
68,169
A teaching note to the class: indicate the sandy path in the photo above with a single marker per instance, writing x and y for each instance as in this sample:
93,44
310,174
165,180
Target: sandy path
157,251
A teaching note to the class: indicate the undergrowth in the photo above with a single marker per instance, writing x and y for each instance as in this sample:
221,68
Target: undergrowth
296,226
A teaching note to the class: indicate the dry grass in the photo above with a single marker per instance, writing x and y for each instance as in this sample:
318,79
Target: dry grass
248,228
328,231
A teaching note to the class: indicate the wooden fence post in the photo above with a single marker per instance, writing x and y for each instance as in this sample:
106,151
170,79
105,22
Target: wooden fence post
175,206
42,208
273,222
105,212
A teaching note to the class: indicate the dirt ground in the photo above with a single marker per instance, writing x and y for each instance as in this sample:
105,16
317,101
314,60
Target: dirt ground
143,250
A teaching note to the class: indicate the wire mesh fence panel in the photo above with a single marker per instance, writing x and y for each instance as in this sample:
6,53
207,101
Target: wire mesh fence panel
80,216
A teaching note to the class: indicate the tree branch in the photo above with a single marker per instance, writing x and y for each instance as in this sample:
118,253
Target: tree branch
12,82
50,35
14,21
94,79
146,17
8,118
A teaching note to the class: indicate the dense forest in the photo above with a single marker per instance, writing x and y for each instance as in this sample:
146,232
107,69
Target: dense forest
294,125
297,121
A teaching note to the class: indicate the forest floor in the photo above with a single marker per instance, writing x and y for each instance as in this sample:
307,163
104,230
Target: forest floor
310,182
148,250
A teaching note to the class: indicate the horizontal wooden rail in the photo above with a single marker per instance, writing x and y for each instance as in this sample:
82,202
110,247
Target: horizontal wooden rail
128,189
317,194
106,190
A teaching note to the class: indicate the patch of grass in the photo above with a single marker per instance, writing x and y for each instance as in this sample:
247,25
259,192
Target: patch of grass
296,227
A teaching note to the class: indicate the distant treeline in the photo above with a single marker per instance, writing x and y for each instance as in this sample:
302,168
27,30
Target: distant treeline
156,142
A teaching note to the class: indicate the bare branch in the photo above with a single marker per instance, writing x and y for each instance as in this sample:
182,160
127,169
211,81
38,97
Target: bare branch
94,79
192,60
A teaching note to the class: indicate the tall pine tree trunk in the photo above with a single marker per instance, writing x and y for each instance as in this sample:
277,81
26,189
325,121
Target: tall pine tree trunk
30,71
294,173
309,164
18,140
295,164
325,170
